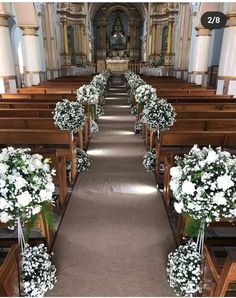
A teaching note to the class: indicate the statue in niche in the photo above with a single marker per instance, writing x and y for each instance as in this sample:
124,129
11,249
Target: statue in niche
118,42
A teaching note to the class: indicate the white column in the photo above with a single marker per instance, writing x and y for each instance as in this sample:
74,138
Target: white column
200,58
7,69
32,54
227,66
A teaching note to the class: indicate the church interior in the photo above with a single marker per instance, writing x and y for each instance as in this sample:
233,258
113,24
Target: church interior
117,149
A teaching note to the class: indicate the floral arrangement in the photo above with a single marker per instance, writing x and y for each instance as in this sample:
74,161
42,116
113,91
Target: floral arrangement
87,94
25,185
158,115
184,269
145,93
149,160
204,184
99,111
137,127
38,273
94,127
134,81
133,110
69,115
83,160
99,82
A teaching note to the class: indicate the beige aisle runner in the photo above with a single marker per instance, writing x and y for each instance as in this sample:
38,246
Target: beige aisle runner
115,235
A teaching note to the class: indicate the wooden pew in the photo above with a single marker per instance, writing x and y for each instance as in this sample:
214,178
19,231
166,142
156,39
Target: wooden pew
222,272
10,274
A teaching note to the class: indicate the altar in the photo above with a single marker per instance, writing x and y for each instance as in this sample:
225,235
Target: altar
117,65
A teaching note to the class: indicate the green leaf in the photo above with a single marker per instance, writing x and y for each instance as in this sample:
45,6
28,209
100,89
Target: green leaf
192,227
29,226
48,215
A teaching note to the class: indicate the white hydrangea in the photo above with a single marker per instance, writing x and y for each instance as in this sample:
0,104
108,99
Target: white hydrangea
68,116
158,115
38,272
88,94
149,160
145,93
184,269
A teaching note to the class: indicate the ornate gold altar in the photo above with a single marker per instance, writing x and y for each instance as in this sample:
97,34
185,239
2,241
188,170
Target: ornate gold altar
117,65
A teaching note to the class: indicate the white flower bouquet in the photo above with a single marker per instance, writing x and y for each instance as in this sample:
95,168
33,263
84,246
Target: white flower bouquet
158,115
87,94
99,82
133,110
94,127
145,93
149,160
38,273
83,160
99,111
25,185
204,184
135,83
184,269
137,127
69,115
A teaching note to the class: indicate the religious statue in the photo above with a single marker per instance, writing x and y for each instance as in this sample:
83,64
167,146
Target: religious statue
118,40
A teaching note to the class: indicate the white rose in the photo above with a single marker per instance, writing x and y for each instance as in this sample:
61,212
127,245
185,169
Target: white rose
50,187
5,217
20,182
195,148
45,195
233,212
178,207
219,198
24,199
224,182
188,187
37,163
2,183
36,210
176,172
3,204
173,185
3,168
211,157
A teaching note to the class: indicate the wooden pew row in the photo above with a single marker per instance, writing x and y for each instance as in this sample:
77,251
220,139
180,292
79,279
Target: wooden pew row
45,91
39,97
198,124
29,104
41,123
185,91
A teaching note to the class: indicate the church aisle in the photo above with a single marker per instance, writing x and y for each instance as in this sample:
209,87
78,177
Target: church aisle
115,235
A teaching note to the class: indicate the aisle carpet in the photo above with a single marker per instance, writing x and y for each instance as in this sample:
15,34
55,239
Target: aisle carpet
115,235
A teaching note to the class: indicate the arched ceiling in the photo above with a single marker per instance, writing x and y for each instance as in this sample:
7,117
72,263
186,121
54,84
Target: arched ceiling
141,7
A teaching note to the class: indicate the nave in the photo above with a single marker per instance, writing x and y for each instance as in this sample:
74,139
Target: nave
115,235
